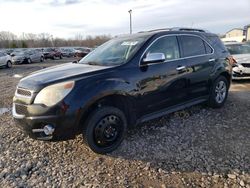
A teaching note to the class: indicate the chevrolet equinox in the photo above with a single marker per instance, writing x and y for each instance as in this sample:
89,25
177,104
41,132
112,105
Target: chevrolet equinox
126,81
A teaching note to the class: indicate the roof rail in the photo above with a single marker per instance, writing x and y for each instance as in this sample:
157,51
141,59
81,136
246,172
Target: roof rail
154,30
177,29
188,29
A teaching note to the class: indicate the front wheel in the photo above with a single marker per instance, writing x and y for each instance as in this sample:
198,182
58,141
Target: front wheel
9,64
105,129
219,92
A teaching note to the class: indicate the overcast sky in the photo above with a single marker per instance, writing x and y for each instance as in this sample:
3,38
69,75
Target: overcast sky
66,18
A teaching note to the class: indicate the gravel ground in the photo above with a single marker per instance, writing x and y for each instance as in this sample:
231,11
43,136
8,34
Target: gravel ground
197,147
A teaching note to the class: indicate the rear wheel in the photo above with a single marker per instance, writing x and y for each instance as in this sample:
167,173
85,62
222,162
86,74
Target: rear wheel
219,92
105,129
8,64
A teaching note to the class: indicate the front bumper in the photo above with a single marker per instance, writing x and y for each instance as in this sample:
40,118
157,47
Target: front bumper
33,118
240,73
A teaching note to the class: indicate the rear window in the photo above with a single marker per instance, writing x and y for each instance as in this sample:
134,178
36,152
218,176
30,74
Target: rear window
192,46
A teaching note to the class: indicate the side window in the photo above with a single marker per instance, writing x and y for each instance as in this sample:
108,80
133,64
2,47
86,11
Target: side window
215,41
192,46
209,50
168,46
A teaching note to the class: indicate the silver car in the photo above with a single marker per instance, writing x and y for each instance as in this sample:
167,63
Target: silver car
27,56
241,54
5,60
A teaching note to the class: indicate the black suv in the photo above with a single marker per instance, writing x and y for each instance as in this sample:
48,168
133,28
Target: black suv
126,81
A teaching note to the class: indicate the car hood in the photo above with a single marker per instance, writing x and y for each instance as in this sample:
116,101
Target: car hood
60,73
242,58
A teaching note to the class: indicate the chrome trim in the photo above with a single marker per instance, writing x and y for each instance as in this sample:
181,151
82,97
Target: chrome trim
23,96
211,60
154,57
182,58
15,114
37,130
180,68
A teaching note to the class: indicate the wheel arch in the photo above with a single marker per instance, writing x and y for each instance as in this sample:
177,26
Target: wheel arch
227,76
119,100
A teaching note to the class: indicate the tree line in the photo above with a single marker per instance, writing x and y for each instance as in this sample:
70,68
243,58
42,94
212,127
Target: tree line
30,40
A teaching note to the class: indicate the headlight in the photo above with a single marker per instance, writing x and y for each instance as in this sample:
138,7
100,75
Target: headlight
52,94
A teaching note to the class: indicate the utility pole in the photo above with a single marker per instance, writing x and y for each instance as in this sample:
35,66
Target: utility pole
130,20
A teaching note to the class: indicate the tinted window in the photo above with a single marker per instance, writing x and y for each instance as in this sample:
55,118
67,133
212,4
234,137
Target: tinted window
167,45
215,41
192,46
209,50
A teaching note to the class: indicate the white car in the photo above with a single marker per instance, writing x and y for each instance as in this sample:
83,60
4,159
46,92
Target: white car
241,54
5,60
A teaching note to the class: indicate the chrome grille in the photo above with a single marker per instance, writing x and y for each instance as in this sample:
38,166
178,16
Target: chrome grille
24,92
21,109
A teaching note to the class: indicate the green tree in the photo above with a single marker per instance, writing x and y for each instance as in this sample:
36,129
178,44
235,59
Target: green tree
24,44
13,45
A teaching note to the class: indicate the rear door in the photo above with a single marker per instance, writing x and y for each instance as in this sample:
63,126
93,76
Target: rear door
200,60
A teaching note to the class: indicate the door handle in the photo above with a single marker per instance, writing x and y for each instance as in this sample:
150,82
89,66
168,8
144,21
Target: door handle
211,60
180,68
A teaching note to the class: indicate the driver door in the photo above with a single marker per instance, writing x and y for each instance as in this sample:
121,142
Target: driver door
162,84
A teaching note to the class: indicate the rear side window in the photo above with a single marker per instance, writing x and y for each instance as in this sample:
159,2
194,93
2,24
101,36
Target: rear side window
167,45
209,50
216,42
192,46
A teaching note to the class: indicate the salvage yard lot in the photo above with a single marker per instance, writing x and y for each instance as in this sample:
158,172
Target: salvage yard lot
195,147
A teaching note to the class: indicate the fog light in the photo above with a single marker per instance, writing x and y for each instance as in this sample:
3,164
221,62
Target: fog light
48,129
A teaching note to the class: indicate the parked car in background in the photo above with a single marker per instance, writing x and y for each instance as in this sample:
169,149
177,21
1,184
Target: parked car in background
81,52
124,82
241,54
8,51
68,52
27,56
5,60
52,53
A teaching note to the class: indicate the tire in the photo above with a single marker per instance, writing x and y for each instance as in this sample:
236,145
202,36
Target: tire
105,129
8,64
60,56
219,92
42,59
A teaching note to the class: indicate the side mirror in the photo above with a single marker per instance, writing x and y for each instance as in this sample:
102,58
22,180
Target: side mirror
75,62
153,58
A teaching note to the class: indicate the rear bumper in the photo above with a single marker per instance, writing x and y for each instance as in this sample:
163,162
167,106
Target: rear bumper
33,125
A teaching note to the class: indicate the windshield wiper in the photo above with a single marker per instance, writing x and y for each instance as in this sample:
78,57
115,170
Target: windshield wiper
93,63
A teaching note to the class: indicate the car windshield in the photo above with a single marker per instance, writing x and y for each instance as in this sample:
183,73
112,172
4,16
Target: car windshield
114,52
239,49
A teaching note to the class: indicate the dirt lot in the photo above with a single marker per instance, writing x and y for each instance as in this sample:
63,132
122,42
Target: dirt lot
197,147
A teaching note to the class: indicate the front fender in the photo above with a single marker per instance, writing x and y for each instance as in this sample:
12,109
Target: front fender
88,92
